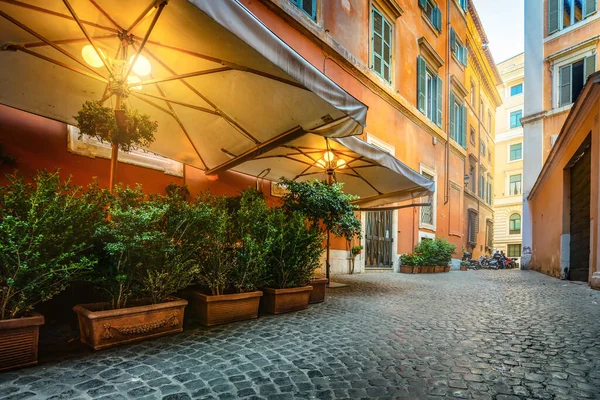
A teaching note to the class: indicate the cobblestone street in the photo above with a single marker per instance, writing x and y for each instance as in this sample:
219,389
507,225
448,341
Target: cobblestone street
500,335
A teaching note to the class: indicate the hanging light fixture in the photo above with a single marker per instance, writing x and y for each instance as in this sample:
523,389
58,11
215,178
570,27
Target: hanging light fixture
331,162
91,57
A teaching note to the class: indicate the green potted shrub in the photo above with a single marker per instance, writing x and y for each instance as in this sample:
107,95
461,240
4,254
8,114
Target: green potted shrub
293,257
327,209
45,226
464,265
146,252
410,263
445,251
427,251
436,254
233,263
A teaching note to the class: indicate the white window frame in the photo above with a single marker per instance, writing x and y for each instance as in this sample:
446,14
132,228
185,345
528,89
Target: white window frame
508,160
510,85
426,235
560,62
375,141
508,175
510,115
431,172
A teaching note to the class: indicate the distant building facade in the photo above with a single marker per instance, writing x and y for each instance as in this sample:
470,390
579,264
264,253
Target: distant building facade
562,40
508,198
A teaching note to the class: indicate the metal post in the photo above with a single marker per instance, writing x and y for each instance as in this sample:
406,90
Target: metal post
327,265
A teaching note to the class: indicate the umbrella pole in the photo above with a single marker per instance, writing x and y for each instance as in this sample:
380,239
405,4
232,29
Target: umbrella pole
114,155
327,265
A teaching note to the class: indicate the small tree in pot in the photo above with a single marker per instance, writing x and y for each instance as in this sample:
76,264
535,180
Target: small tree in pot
45,230
146,253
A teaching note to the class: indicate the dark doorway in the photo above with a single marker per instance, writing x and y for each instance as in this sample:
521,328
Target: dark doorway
580,214
379,240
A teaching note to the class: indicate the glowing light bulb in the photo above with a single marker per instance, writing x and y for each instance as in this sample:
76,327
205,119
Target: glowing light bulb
322,163
91,57
142,66
132,79
341,164
328,156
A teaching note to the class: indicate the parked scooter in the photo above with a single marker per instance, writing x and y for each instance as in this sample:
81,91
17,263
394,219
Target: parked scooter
473,264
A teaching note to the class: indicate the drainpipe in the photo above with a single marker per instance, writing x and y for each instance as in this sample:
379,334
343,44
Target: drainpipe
447,107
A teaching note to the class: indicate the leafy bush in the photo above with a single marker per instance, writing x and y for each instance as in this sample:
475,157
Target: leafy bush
45,231
147,247
253,237
295,250
325,206
436,252
411,260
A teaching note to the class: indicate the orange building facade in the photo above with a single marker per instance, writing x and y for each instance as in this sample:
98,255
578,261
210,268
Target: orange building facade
423,69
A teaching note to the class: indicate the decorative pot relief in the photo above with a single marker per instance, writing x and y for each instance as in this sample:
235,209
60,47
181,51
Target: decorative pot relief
140,328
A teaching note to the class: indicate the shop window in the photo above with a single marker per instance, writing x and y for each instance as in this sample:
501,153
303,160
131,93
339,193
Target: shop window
514,185
572,78
514,224
516,151
432,12
565,13
458,120
381,45
514,250
308,6
430,89
515,119
516,90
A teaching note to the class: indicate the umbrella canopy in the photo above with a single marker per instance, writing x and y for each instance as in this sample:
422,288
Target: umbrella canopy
365,170
217,81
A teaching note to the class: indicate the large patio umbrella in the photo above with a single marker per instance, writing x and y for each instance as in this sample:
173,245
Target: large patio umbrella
218,82
376,176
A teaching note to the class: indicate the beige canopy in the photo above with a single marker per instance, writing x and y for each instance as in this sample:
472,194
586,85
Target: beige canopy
220,82
365,170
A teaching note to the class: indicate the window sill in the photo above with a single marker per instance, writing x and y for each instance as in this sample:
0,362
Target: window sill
463,13
460,65
559,110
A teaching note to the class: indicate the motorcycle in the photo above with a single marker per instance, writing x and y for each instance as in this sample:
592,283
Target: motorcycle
473,264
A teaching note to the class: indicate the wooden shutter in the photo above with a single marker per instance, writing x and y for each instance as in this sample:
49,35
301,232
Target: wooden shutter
377,42
452,39
553,16
589,7
589,66
564,85
465,5
463,132
464,56
421,84
310,7
387,51
438,103
437,19
423,4
452,117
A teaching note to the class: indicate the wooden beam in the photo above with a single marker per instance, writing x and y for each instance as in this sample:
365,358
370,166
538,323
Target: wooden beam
262,148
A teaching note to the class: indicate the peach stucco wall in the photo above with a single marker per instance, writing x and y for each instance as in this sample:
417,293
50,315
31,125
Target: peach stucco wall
550,205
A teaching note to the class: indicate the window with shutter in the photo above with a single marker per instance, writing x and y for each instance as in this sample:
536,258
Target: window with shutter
564,86
589,7
565,13
440,113
308,6
381,57
463,129
421,84
429,92
452,116
428,212
472,227
432,12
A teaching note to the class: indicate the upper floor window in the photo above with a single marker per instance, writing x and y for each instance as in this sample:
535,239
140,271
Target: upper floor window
472,177
482,147
458,120
464,4
514,250
308,6
489,122
489,155
565,13
516,151
481,110
473,94
514,185
514,224
430,89
472,136
428,212
458,49
572,78
432,12
381,45
515,119
472,227
516,90
482,183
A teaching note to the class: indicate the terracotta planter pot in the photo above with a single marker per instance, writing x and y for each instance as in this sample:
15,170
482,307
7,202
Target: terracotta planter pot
438,269
464,268
447,268
222,309
317,295
407,269
279,301
101,327
19,341
417,270
427,270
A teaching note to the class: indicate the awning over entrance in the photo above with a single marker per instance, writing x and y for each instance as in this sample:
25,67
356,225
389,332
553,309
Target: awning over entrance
367,171
218,82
